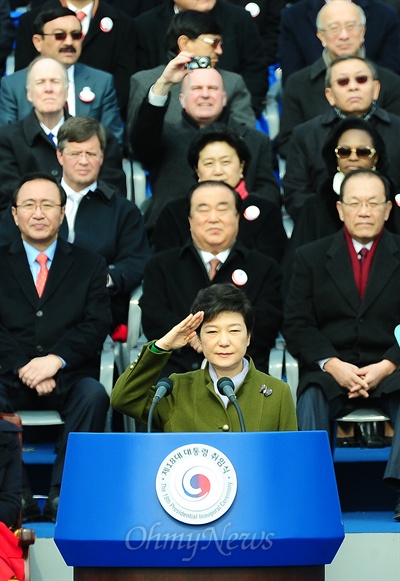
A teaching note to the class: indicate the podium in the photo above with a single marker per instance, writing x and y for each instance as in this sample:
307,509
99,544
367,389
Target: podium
283,522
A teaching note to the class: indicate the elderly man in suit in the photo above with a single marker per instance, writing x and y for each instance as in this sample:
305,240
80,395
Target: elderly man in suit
352,88
304,92
212,255
200,34
54,315
299,46
162,146
341,311
108,43
30,144
58,35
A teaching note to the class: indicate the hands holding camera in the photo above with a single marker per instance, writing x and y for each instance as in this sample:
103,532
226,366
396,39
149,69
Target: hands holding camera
176,70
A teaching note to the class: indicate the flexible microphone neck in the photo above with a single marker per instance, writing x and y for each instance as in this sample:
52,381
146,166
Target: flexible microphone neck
164,387
226,387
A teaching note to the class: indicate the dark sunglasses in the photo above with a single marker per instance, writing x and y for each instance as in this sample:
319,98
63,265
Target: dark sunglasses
343,151
75,35
344,81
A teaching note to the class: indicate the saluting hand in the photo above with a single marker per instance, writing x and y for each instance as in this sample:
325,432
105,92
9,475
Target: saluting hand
181,334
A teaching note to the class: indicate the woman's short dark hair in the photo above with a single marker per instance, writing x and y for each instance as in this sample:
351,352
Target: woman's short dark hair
38,176
217,132
328,149
214,183
190,23
223,298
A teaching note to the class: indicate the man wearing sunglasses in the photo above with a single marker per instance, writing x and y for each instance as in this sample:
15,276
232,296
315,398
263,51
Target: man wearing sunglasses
108,43
352,90
341,30
200,34
242,52
341,312
58,35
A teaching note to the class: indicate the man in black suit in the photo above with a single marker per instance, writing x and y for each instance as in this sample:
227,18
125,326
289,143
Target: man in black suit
341,311
304,92
243,51
162,146
299,46
54,316
352,88
97,217
108,44
27,146
173,277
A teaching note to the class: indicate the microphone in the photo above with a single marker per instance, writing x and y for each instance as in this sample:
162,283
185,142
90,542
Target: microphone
226,387
164,388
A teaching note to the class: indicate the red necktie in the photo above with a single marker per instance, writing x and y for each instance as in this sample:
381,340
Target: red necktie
214,263
43,273
363,270
80,16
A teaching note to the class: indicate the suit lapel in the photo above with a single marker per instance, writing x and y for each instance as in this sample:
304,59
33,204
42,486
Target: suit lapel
385,263
82,79
19,266
338,264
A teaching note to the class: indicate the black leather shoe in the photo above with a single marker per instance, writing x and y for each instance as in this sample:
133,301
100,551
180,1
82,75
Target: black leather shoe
396,515
30,507
51,505
369,435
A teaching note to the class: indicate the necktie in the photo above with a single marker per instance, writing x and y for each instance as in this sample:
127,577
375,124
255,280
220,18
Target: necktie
43,273
52,139
214,263
363,256
81,16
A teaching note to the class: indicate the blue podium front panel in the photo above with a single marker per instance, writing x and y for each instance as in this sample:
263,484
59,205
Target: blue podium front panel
285,512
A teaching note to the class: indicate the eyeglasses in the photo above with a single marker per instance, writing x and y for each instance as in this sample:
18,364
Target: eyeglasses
344,81
214,42
344,151
357,205
30,206
337,28
75,35
77,155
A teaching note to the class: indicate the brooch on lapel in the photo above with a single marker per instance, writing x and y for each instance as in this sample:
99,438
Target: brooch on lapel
251,213
106,24
87,95
266,391
239,277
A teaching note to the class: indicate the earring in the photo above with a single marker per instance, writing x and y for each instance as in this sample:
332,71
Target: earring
373,168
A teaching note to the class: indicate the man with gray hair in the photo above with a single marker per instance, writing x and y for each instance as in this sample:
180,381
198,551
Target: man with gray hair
341,28
29,145
300,47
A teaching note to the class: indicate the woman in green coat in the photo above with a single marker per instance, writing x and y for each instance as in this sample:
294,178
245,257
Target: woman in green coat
220,327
